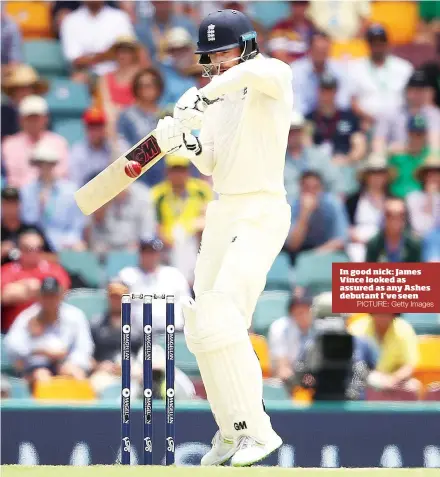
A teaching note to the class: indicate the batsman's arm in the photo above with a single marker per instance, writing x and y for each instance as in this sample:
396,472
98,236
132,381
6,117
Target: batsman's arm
271,77
174,137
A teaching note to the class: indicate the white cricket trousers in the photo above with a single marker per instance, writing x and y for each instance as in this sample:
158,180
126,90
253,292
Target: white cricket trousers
243,235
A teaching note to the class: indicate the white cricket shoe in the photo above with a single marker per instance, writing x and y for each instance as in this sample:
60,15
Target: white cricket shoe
250,451
222,450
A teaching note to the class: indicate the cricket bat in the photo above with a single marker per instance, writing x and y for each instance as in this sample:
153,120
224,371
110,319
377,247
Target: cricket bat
113,179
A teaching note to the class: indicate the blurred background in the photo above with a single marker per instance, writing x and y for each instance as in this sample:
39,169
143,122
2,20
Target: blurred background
84,81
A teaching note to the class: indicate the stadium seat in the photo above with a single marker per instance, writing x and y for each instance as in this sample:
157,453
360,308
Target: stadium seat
71,129
416,54
278,277
261,348
273,390
429,348
424,323
19,388
117,260
85,264
399,18
347,50
46,57
390,395
64,389
92,302
270,13
33,18
314,270
200,388
111,393
433,392
302,395
185,360
67,99
428,367
6,365
271,306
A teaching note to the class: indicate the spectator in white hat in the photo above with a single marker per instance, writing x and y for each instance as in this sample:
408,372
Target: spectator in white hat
21,81
17,149
49,202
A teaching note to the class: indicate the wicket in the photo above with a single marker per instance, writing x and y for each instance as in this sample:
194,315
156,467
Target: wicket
147,323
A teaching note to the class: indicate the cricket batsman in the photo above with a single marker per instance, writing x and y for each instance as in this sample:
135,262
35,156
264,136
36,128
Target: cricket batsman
243,116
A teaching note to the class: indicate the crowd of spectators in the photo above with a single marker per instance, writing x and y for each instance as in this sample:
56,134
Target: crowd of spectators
384,352
362,166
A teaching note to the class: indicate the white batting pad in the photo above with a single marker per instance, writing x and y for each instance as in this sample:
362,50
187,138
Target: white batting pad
229,367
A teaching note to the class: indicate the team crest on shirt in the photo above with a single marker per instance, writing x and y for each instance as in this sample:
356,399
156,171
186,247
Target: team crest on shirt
344,127
211,32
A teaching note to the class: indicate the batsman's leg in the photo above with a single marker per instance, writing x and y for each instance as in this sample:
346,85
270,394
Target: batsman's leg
213,247
217,335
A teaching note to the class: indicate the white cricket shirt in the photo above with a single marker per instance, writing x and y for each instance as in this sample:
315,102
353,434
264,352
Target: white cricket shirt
244,135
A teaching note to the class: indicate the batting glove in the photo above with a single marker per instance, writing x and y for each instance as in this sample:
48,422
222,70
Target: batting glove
191,146
169,134
189,109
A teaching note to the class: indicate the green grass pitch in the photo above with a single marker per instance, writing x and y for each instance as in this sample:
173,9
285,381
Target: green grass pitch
157,471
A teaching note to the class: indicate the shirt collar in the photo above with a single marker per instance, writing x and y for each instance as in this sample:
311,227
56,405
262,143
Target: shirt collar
385,64
424,152
298,330
87,13
311,69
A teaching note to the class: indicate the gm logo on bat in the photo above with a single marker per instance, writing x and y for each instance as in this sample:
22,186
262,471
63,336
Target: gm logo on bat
145,152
